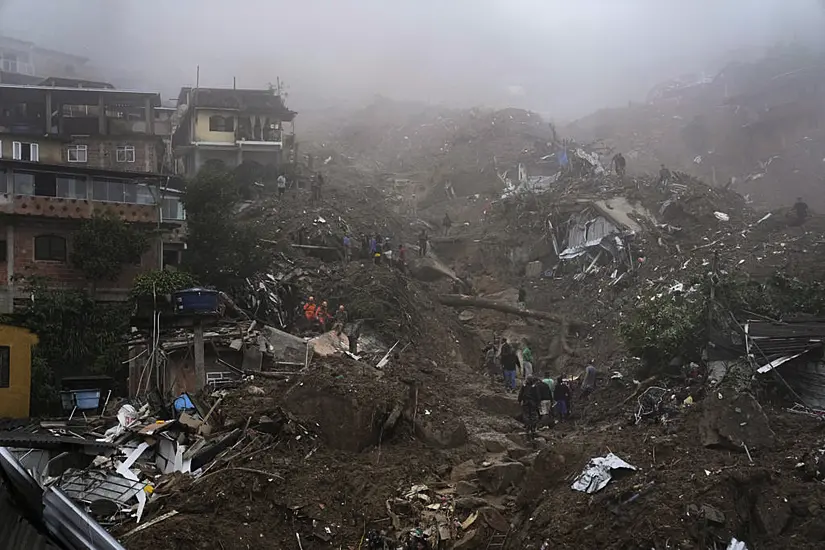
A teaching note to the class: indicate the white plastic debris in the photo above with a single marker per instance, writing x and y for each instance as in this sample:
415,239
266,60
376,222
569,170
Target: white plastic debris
722,216
597,474
697,159
736,545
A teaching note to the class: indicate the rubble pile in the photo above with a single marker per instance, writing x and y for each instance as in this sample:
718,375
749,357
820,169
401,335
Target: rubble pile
753,126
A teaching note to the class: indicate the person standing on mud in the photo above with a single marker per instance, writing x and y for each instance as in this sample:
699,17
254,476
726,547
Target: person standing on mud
422,243
619,164
353,333
402,258
561,394
529,397
546,405
347,249
526,360
340,320
509,364
281,186
522,297
447,223
664,176
800,208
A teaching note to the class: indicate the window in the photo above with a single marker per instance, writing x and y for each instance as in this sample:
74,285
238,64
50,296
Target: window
217,123
126,153
171,257
71,187
50,248
172,209
39,184
25,151
5,366
144,194
3,251
78,153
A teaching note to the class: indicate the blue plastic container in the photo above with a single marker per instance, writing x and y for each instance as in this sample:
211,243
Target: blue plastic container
84,400
195,301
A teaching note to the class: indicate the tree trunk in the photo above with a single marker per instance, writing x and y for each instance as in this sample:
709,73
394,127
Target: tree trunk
460,300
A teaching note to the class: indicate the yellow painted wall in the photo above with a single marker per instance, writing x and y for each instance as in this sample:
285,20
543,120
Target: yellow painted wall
14,400
202,132
50,151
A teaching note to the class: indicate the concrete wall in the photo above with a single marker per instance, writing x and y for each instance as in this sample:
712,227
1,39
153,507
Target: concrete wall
14,400
202,132
20,256
101,153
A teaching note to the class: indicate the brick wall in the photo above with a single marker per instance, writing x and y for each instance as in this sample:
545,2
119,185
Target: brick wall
102,153
63,273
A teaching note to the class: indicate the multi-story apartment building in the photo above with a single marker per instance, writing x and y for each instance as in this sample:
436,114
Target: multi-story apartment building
233,126
23,62
66,154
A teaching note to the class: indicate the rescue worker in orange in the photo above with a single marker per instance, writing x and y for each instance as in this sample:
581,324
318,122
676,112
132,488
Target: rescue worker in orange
322,315
309,309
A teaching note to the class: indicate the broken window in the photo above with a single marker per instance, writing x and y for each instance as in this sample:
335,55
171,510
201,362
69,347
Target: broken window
50,248
126,153
78,153
218,123
25,151
3,252
5,366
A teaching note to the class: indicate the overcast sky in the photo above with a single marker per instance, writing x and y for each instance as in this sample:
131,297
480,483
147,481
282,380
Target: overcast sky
559,57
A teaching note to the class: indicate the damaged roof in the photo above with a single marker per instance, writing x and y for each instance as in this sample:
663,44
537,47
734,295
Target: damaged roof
242,100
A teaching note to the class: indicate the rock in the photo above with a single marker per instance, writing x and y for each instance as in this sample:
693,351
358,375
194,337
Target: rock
533,270
466,316
464,471
499,477
269,426
735,420
506,405
772,513
494,519
465,488
518,453
519,439
708,512
255,390
443,436
494,442
550,467
474,538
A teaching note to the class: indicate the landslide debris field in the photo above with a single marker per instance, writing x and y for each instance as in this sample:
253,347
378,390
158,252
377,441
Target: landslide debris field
324,455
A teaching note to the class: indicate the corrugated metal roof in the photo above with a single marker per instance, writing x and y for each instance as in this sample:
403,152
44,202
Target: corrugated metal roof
16,531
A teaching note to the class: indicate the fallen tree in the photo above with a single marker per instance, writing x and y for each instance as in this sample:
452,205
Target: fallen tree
460,300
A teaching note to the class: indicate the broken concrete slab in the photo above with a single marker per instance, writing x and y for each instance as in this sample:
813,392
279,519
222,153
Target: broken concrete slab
472,539
533,270
494,519
499,477
464,471
734,422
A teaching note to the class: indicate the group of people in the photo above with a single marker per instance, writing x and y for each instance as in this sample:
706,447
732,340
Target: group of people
505,360
542,399
378,249
619,165
318,315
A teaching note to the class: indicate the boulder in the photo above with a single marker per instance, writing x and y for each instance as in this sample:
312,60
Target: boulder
464,471
447,435
499,477
465,488
429,270
470,503
734,421
474,538
494,442
494,519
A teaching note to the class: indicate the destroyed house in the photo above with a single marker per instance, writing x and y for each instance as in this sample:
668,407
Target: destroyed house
600,229
67,154
795,350
232,126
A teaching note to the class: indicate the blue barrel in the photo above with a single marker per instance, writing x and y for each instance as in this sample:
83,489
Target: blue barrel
195,301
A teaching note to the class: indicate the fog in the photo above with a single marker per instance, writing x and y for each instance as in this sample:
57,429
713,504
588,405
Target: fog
558,57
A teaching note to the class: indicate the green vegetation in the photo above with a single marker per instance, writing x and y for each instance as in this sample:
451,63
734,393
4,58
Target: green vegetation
667,326
222,250
104,244
161,282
